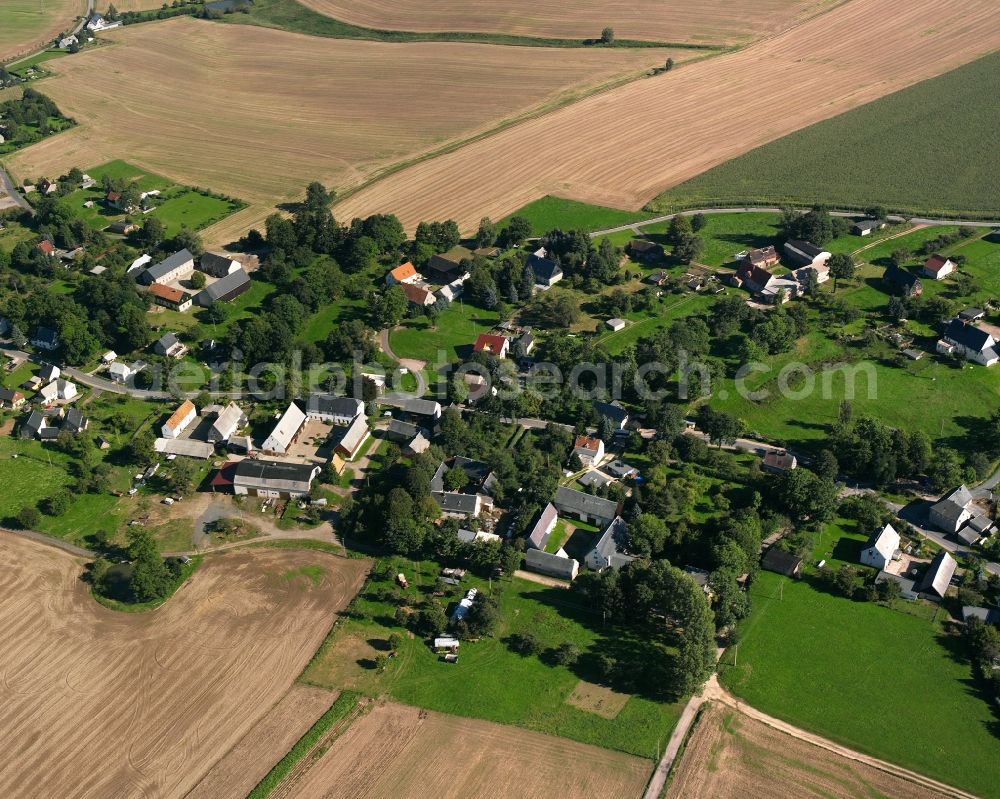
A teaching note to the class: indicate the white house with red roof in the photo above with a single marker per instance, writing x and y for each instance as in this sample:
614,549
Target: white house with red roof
938,267
492,344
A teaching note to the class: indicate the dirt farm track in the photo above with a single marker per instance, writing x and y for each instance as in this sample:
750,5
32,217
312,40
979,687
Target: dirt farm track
732,756
104,704
624,146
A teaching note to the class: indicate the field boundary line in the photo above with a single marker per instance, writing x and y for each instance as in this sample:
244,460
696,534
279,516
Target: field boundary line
715,692
350,30
505,124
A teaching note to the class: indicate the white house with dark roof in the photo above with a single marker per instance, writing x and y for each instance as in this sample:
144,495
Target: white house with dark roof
805,253
613,412
216,264
952,511
585,507
227,424
560,566
275,479
608,551
969,342
881,549
336,410
175,267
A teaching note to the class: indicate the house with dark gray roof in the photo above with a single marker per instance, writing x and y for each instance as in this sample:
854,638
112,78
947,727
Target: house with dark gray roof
782,562
217,265
276,479
805,253
968,341
952,511
174,267
169,346
586,507
610,550
457,505
547,272
902,281
400,431
45,338
612,411
595,479
985,615
553,565
938,576
74,421
225,289
334,409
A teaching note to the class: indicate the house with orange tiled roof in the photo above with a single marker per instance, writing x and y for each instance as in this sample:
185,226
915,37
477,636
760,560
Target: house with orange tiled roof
179,420
404,273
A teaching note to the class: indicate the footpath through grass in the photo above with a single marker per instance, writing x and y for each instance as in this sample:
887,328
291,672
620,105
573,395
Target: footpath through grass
889,152
875,679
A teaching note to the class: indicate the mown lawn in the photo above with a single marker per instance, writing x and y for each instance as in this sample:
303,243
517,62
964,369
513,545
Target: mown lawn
39,472
176,206
872,678
490,681
551,212
887,152
929,395
454,334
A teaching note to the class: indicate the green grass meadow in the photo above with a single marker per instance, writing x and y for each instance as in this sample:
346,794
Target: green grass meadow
551,212
882,681
490,681
929,149
454,333
177,206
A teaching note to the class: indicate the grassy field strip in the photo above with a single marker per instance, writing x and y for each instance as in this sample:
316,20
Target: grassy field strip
312,18
311,746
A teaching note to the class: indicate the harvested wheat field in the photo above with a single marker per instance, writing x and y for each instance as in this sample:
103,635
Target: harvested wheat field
101,704
709,21
397,752
731,756
258,113
254,756
622,147
28,25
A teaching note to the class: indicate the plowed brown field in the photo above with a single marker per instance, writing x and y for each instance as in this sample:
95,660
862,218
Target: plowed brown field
622,147
104,704
399,752
254,756
731,756
259,113
716,21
